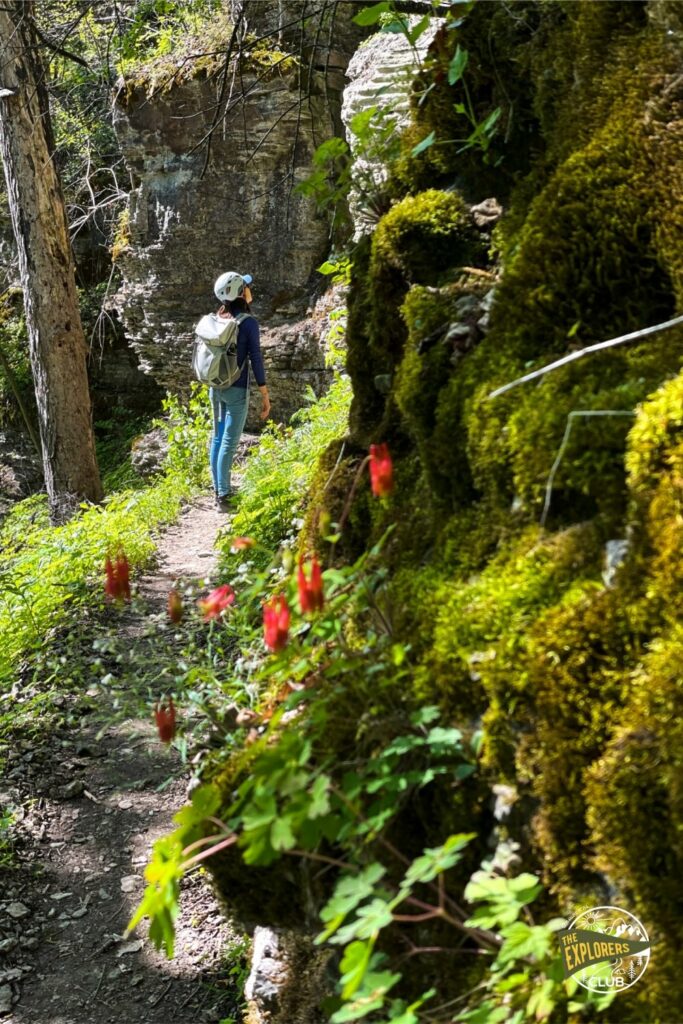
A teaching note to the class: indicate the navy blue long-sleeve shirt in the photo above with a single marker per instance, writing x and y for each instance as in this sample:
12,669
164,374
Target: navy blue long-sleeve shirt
248,345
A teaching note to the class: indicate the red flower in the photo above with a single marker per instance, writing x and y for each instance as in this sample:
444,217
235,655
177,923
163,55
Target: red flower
276,617
242,543
165,719
218,600
381,470
175,606
311,597
117,583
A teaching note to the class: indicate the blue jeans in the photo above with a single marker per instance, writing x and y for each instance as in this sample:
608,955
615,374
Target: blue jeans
230,406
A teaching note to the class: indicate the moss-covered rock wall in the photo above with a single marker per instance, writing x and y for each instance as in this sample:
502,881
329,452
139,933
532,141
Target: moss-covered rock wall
576,682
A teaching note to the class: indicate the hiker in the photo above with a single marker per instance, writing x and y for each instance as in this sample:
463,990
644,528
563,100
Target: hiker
230,404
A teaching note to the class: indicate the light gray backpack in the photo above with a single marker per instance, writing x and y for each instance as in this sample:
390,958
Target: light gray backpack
214,359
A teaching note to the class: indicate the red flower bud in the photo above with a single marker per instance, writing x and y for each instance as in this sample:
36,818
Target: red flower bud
218,600
311,596
276,617
175,606
241,543
117,583
165,719
381,470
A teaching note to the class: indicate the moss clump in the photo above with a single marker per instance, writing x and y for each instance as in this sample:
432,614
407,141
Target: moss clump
474,633
122,236
430,360
634,794
182,56
577,673
422,240
655,471
424,235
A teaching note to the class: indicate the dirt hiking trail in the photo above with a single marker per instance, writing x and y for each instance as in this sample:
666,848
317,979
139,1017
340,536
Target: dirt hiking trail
92,808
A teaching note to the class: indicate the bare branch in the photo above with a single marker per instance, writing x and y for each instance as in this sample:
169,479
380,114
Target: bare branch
573,356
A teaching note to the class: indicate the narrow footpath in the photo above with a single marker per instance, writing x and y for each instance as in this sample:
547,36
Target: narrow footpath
93,807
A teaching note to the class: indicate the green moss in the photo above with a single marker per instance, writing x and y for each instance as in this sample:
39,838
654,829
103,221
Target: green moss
182,57
577,672
425,401
424,235
478,623
638,781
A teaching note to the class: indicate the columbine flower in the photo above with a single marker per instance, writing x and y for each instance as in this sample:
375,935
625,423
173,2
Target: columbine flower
241,543
175,606
381,470
218,600
311,597
165,719
117,583
276,617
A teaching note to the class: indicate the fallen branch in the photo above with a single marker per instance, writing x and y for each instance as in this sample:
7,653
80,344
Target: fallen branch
563,447
634,336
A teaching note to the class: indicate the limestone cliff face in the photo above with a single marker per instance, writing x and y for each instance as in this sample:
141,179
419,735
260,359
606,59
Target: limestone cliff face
198,209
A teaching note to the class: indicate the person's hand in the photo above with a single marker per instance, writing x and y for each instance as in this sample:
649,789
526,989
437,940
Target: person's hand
265,406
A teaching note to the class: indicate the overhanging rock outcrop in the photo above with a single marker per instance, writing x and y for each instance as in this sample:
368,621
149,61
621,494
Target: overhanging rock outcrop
213,173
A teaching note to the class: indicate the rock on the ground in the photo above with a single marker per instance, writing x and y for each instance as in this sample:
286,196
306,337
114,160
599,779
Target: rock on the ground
287,980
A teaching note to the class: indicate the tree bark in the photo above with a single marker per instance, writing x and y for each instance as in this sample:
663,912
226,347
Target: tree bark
56,341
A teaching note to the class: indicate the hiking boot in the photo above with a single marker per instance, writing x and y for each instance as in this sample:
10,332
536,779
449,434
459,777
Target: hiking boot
223,502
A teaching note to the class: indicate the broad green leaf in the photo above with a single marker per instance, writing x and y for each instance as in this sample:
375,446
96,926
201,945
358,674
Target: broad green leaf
511,982
486,1013
457,65
352,890
425,715
522,941
320,800
354,964
360,123
438,736
435,861
281,835
371,15
541,1002
415,33
258,815
425,144
369,921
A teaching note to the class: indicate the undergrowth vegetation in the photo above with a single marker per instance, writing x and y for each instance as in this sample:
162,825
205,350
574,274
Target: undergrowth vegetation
425,727
48,573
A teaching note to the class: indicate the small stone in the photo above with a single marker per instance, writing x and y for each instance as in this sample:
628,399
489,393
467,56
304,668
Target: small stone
486,214
17,910
73,789
129,883
81,912
7,945
129,947
5,998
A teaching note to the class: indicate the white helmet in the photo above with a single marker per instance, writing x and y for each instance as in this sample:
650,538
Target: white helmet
231,285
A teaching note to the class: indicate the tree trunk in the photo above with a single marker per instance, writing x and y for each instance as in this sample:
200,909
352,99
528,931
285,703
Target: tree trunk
56,340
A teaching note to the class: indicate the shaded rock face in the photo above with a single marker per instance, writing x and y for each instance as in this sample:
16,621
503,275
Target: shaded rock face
116,380
196,213
21,471
287,979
